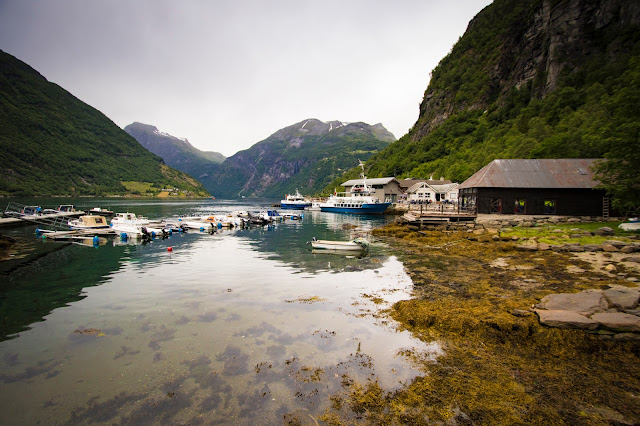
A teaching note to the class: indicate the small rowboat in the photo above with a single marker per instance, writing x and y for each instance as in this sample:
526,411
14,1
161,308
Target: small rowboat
358,244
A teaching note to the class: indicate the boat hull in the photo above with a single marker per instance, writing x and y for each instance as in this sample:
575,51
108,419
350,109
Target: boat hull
292,206
337,245
374,208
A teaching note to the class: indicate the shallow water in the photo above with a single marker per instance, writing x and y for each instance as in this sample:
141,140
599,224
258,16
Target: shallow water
235,327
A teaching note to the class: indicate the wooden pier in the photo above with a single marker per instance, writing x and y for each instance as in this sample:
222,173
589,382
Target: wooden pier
431,217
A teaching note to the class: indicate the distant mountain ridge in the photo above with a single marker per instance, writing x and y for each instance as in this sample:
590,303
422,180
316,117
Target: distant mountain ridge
54,144
306,155
176,152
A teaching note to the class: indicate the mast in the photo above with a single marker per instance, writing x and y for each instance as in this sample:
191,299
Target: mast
364,178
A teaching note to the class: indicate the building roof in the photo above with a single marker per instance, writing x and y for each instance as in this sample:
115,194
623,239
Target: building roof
541,173
438,188
375,181
408,183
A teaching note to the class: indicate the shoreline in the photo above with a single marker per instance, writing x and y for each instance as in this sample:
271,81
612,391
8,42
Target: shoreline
475,294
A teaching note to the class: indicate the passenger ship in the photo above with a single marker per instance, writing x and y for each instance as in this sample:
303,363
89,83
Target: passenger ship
360,200
294,202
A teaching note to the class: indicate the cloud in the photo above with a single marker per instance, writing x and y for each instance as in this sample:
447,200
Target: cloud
227,74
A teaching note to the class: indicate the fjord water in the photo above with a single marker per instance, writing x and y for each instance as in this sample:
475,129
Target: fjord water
236,327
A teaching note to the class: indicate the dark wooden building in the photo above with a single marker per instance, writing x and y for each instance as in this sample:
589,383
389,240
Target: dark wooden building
548,187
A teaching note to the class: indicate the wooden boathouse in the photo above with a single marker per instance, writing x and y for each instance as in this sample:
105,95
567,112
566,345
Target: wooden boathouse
542,186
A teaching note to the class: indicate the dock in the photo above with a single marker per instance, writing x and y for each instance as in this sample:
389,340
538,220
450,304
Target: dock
38,219
435,217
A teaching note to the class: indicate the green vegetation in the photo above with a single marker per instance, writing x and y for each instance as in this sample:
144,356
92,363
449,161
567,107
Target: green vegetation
293,159
567,233
473,111
176,153
54,144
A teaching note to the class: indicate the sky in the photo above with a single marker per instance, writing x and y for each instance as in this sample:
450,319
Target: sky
228,74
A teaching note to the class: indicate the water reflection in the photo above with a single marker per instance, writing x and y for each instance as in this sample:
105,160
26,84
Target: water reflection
235,327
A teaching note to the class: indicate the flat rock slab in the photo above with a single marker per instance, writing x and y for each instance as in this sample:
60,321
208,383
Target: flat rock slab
622,298
586,302
566,319
617,321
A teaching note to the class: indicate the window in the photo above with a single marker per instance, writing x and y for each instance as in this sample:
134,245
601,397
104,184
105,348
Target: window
496,205
520,206
549,207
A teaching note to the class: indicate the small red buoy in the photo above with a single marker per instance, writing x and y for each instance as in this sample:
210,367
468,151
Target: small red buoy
170,249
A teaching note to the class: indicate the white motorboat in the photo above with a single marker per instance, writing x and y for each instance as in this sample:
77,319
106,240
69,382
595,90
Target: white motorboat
357,244
292,216
270,216
129,218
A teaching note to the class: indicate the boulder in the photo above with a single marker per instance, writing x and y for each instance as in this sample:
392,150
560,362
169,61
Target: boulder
586,302
609,248
622,298
566,319
527,247
617,244
618,321
605,230
625,337
631,259
592,247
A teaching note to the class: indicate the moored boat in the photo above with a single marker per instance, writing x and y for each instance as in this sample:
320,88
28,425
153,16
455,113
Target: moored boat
270,216
294,202
90,222
129,218
101,211
357,244
360,200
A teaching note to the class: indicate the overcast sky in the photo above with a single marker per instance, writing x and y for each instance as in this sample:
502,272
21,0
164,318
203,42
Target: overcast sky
228,74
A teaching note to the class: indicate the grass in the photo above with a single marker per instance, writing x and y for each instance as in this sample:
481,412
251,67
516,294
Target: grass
550,234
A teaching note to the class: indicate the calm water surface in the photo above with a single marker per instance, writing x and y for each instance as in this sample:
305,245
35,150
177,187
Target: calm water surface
237,327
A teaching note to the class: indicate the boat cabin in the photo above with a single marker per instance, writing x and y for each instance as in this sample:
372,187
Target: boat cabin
89,221
384,189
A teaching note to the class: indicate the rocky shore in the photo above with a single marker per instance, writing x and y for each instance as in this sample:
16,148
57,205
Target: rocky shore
530,333
612,313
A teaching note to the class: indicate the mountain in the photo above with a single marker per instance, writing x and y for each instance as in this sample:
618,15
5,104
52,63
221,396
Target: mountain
307,155
528,79
55,144
177,153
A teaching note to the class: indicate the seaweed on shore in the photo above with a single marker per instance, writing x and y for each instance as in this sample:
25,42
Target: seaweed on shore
499,367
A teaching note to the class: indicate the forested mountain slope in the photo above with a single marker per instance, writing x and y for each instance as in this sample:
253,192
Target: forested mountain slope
306,155
54,144
176,152
528,79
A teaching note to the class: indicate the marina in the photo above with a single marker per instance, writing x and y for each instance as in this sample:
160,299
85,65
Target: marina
199,327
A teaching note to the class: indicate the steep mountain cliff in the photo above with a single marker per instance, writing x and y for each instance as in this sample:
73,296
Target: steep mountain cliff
54,144
306,155
528,79
177,153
